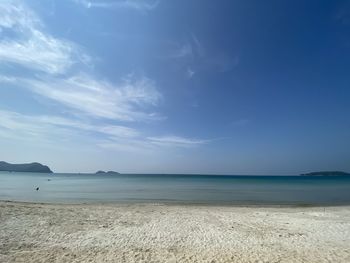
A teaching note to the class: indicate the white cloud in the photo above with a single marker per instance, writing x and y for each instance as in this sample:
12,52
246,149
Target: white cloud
32,47
108,130
50,61
38,52
119,131
176,141
142,5
47,56
44,125
14,14
149,144
126,101
128,145
55,129
16,126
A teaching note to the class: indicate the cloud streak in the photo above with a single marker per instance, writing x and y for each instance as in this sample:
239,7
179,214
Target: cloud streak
100,99
141,5
176,141
51,60
53,128
43,125
195,58
56,69
31,47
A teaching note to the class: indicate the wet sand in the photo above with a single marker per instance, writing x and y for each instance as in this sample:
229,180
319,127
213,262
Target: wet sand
172,233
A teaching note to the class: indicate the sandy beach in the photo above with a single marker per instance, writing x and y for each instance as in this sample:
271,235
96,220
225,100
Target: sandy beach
172,233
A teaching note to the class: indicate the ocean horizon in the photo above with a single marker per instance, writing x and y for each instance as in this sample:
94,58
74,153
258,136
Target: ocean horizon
175,188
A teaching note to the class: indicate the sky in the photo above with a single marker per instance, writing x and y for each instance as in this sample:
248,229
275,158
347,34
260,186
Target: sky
160,86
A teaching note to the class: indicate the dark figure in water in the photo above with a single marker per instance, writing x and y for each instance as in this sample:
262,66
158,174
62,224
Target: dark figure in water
37,189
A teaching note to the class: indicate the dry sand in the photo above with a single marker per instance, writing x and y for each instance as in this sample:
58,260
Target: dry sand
172,233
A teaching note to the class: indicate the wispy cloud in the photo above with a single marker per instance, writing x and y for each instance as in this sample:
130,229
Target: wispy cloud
127,145
50,57
31,47
151,143
63,132
195,58
51,128
176,141
190,73
181,51
126,101
44,125
19,127
191,48
142,5
55,70
198,47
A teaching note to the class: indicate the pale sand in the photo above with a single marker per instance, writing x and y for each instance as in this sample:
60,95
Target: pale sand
172,233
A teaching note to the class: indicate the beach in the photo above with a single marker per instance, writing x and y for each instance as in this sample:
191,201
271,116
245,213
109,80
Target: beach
123,232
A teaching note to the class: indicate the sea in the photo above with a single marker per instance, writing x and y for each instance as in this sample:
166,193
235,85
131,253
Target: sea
168,188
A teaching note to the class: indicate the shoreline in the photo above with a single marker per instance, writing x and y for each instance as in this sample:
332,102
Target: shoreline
37,232
179,203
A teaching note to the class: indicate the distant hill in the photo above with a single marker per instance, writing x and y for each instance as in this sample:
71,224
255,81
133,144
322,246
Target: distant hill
326,173
109,172
24,167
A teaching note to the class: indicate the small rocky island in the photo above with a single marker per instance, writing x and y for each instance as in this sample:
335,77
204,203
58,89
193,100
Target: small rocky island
24,167
109,172
326,173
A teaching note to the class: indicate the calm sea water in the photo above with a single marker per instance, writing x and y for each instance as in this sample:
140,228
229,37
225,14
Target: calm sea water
90,188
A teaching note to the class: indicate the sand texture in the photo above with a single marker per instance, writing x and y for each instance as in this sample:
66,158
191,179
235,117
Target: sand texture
172,233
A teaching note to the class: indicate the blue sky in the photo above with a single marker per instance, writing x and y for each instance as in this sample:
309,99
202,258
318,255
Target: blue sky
159,86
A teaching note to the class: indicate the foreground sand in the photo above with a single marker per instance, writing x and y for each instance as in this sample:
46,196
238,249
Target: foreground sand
172,233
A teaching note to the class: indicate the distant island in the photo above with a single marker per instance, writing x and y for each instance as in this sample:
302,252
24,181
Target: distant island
109,172
326,173
24,167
